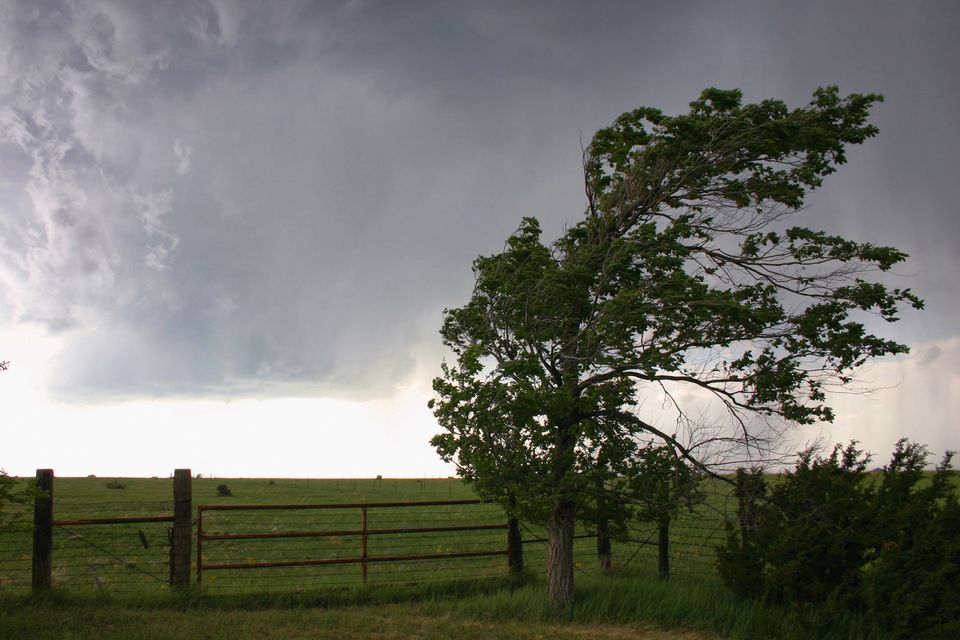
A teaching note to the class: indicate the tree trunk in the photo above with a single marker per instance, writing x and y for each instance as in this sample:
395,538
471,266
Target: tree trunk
560,555
663,547
514,546
603,525
603,544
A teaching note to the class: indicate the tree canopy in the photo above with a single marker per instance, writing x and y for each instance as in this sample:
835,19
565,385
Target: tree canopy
683,271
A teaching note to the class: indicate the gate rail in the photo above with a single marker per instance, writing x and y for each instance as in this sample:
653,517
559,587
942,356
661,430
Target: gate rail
364,532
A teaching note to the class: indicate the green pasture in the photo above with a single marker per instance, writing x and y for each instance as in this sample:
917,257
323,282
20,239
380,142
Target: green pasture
133,558
110,581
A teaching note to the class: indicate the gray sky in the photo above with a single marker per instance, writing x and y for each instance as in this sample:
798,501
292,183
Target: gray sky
223,201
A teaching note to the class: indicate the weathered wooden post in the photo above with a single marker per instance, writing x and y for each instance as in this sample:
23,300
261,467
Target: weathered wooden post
514,546
603,519
663,533
363,543
604,550
43,531
663,547
604,546
182,529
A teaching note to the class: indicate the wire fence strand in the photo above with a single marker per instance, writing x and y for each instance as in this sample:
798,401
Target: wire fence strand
135,557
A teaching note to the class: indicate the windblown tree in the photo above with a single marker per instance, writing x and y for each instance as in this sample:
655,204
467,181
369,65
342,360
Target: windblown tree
684,272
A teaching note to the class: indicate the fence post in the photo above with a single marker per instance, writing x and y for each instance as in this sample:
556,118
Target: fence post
663,547
182,529
43,531
514,546
363,543
199,545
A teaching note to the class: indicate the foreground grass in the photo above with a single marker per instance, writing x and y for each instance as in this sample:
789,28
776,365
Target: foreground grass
106,620
695,606
382,623
607,607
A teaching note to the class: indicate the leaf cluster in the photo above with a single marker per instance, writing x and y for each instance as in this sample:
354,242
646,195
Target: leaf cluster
14,493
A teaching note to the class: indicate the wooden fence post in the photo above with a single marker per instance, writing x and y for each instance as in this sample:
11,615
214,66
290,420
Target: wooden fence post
43,532
663,547
182,530
514,546
363,543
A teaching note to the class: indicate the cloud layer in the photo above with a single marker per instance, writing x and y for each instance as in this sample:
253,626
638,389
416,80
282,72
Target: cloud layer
224,198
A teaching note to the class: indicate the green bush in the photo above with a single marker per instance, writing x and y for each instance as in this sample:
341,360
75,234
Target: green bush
831,536
912,588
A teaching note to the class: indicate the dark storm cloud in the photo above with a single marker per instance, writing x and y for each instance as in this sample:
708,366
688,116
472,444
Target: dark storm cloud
218,197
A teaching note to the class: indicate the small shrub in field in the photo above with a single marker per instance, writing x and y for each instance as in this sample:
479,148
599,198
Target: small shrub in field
224,491
116,485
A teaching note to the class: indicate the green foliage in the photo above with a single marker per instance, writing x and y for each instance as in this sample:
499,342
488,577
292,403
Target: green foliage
683,271
14,493
830,535
661,484
821,536
224,491
911,588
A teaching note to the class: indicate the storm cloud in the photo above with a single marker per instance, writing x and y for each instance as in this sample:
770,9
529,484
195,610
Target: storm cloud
218,198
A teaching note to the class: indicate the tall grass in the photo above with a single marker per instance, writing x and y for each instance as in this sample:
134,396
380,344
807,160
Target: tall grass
680,603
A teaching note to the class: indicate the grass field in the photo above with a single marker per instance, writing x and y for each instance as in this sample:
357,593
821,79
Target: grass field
111,581
134,558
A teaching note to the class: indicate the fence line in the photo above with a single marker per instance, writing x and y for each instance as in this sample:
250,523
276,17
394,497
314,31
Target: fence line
127,544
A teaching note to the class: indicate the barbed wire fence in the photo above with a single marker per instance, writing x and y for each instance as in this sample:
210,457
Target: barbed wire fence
136,557
16,547
112,557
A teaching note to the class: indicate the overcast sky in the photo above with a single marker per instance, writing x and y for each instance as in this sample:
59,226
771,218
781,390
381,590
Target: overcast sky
228,229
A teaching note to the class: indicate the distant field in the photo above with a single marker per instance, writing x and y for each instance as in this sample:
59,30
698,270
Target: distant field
134,558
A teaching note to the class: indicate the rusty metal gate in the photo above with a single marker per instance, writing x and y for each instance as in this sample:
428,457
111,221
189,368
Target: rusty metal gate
406,535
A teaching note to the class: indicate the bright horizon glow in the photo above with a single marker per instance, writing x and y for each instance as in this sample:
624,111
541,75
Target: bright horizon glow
276,437
341,438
